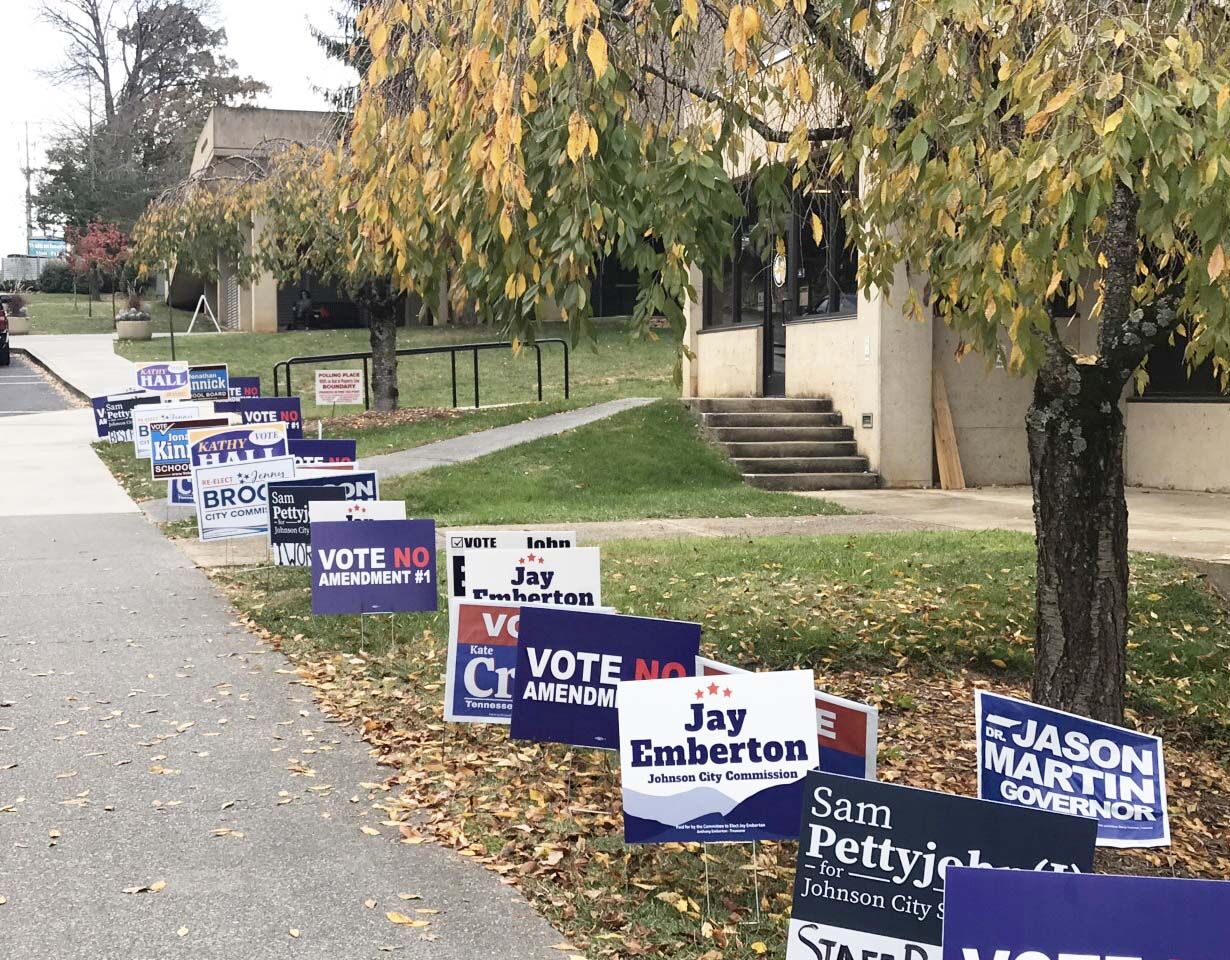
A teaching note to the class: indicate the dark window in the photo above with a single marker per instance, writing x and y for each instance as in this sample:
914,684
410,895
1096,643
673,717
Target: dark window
1168,377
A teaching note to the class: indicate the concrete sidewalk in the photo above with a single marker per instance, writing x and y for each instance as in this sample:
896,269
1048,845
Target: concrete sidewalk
84,362
1175,522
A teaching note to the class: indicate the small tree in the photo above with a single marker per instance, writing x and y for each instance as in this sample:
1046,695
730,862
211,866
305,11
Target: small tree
101,250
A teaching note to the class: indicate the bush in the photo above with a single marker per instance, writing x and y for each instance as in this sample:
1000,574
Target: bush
56,277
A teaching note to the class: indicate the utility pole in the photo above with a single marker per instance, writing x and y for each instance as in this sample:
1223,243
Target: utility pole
90,121
28,171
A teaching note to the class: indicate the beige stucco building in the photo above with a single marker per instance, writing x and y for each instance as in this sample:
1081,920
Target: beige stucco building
877,367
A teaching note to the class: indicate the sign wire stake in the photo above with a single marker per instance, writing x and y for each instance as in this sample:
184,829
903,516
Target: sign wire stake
756,882
704,856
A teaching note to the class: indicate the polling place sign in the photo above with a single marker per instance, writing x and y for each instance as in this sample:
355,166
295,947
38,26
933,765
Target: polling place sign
168,446
143,417
570,578
386,566
570,664
463,543
210,381
325,454
339,386
232,499
872,859
1016,915
482,660
720,760
1050,760
166,378
847,730
290,522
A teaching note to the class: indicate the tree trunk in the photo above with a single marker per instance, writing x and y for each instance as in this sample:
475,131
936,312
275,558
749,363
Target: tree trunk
1080,513
382,314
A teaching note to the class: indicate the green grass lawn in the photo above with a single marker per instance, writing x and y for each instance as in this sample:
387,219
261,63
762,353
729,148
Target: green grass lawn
57,313
614,365
647,462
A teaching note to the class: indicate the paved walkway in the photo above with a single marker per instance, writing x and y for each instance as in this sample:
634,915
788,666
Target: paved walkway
166,788
84,362
1176,522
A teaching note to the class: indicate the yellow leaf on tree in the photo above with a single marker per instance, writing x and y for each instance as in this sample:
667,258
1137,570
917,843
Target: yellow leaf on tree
1111,123
1217,263
506,226
858,23
597,50
691,10
817,229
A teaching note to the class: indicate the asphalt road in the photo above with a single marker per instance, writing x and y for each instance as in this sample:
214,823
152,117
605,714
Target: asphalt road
24,389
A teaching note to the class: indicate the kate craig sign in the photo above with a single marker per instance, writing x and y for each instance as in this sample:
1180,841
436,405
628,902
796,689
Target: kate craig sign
1050,760
872,860
719,759
482,659
1013,915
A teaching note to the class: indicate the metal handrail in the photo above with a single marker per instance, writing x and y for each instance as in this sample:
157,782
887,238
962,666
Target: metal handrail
451,349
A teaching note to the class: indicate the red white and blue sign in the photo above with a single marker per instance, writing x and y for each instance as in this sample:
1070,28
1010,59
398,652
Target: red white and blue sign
382,566
570,664
268,410
1020,915
169,453
1037,757
324,454
482,661
210,381
846,730
243,388
718,759
357,484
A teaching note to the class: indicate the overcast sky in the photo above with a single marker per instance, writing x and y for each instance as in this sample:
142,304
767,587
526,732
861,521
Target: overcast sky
269,39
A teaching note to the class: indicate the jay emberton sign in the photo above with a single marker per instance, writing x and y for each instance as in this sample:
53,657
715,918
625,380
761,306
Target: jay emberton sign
873,856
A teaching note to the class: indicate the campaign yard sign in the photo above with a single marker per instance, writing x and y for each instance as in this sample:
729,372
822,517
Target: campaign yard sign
873,856
1018,915
716,760
232,499
270,411
461,543
482,660
210,381
143,417
570,664
847,730
570,578
230,444
242,388
325,512
386,566
168,444
290,525
339,386
1050,760
166,378
357,485
100,410
325,454
118,412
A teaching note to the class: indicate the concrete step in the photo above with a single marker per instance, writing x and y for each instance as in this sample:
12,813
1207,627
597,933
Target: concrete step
807,465
780,434
762,405
771,419
795,448
813,481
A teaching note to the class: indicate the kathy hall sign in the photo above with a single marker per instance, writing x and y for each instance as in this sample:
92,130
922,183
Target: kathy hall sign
718,759
872,860
1050,760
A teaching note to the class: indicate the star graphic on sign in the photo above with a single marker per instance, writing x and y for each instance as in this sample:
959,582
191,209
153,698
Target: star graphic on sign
727,691
713,689
522,561
542,559
530,558
700,694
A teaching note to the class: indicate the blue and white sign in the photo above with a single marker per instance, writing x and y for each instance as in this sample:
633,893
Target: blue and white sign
50,247
232,499
570,664
269,410
210,381
169,452
231,444
100,410
482,660
244,388
386,566
144,417
464,543
570,578
716,760
365,510
1037,757
325,454
166,378
1020,915
359,485
118,413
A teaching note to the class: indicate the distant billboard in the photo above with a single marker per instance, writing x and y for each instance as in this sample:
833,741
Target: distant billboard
52,247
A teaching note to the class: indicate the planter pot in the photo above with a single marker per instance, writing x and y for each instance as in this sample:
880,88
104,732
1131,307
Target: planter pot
134,329
19,325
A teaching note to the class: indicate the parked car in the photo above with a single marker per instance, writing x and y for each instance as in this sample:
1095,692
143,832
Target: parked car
5,356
